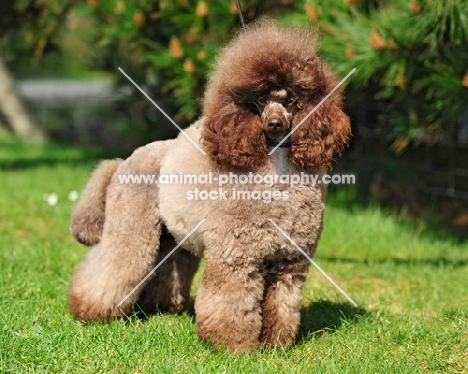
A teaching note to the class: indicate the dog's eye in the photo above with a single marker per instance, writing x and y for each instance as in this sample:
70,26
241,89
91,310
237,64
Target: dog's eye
290,101
255,109
261,100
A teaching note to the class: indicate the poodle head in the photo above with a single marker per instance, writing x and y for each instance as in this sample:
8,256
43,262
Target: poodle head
266,83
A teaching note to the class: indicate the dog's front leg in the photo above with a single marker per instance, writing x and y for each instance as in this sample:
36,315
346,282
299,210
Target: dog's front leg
282,301
228,304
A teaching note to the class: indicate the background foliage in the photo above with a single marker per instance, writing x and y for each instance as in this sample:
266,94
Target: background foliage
410,55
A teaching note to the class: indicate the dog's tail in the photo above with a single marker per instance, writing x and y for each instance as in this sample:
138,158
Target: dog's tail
88,216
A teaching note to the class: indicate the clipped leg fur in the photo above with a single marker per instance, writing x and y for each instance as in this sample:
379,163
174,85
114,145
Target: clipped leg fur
168,290
282,301
128,248
228,305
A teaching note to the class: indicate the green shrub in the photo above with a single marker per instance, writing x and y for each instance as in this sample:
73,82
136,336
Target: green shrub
410,54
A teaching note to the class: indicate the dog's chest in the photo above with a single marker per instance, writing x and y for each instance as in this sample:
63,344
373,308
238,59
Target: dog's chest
279,161
236,215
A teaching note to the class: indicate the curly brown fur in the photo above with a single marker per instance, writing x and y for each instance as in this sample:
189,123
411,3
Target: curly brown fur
264,58
168,290
283,285
265,82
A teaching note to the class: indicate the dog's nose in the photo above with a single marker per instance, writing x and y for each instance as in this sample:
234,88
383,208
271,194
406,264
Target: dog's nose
274,124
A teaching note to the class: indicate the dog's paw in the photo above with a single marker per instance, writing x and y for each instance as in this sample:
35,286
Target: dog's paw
86,307
228,336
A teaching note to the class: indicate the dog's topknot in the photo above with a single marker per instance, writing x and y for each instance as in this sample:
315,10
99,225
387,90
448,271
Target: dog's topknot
265,53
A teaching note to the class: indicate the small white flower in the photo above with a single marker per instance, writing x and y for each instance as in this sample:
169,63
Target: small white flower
52,199
73,196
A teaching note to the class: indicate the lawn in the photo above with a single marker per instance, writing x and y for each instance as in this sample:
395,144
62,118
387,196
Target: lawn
410,283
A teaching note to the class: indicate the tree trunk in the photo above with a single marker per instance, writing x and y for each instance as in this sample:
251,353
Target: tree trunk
11,105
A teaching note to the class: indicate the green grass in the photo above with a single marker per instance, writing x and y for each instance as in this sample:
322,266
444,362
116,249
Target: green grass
410,284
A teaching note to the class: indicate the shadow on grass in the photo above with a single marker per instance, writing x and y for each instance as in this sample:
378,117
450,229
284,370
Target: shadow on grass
436,262
144,315
22,164
19,155
324,316
317,318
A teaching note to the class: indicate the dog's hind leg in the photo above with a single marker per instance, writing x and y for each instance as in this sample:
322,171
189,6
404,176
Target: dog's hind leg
168,290
103,287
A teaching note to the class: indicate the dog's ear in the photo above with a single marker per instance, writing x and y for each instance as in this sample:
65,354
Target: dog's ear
234,139
323,135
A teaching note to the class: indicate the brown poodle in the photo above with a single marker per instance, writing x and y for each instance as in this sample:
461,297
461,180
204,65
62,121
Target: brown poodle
265,82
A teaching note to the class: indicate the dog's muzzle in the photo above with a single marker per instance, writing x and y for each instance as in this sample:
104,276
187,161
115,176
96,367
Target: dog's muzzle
276,121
